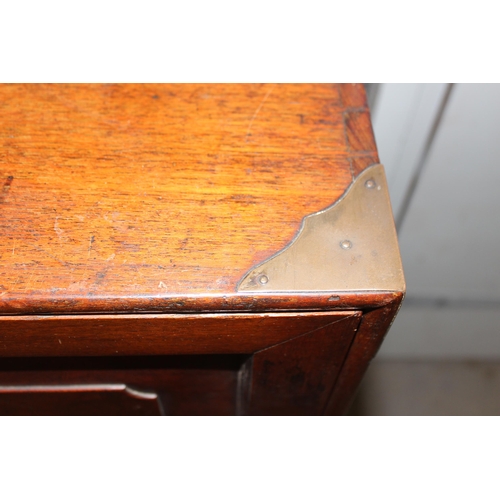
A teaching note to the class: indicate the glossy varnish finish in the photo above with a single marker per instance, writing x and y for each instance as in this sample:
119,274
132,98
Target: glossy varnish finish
273,363
144,334
170,385
129,196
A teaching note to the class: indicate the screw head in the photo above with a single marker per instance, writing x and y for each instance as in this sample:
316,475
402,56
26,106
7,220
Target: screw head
263,279
346,244
370,184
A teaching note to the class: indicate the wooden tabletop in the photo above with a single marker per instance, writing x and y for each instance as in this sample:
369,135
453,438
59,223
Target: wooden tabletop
161,197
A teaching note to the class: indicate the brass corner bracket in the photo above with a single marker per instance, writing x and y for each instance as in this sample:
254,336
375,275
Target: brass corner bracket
350,246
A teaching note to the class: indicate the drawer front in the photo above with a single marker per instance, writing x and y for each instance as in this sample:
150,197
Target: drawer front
214,365
147,385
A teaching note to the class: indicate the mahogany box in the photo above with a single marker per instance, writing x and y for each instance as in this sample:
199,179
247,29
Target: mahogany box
219,249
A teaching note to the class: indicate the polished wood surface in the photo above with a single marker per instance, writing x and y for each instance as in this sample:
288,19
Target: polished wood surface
290,367
170,385
127,197
144,334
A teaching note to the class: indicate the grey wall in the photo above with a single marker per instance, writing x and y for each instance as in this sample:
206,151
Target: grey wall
441,148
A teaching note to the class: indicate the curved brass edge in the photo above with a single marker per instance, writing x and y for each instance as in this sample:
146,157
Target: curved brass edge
349,246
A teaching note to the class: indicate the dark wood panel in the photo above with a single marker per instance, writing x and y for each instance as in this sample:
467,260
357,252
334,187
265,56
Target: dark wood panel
185,385
297,376
122,335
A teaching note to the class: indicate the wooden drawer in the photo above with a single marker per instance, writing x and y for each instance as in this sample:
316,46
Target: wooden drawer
259,365
171,223
167,385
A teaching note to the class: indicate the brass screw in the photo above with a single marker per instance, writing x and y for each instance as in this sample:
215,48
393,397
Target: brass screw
370,184
346,244
263,279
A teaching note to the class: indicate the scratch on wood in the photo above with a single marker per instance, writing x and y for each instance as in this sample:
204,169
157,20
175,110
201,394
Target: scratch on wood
91,240
257,111
47,253
57,229
29,282
345,116
6,188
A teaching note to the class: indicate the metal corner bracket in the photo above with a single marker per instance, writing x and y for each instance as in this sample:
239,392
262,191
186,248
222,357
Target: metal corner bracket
350,246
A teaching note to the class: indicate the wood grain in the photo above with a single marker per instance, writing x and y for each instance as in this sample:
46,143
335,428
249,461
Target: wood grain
297,376
117,196
127,335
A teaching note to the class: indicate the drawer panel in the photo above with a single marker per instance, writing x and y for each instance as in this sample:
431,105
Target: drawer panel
148,385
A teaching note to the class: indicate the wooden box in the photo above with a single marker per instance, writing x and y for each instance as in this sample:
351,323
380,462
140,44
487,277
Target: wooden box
191,249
